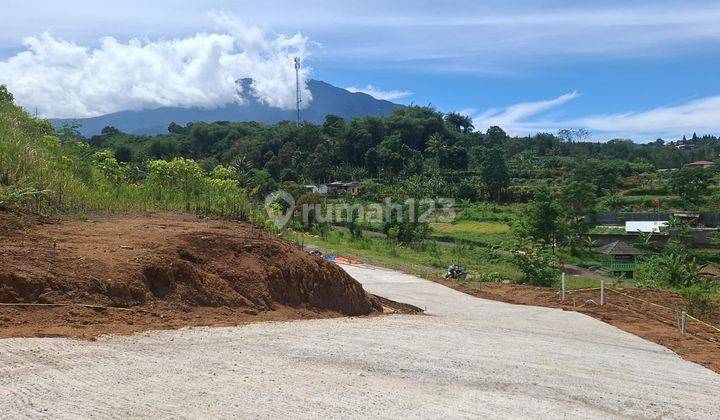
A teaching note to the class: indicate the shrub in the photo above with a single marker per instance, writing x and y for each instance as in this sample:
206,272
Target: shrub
700,303
538,264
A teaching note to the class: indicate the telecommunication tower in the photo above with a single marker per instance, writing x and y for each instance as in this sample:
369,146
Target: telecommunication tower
297,88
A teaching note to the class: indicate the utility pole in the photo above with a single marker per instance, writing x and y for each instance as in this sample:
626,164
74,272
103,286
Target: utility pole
297,88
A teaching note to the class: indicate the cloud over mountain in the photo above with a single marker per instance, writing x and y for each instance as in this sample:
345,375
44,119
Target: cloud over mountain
63,79
387,95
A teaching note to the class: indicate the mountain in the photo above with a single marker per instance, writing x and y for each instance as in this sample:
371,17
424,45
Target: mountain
327,99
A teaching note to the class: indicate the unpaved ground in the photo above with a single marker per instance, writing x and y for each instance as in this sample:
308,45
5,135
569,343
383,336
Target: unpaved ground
163,270
470,357
647,313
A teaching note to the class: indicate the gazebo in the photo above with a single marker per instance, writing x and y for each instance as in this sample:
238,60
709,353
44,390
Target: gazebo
620,258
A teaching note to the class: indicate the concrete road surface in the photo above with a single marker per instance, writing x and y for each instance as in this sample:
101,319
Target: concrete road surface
469,357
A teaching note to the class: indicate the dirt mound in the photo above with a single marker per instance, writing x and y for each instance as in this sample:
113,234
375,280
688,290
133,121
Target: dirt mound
174,260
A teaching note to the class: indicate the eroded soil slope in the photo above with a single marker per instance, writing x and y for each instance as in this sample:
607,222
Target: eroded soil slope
169,265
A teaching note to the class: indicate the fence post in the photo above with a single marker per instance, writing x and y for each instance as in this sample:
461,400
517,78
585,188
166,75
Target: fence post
562,286
683,315
602,292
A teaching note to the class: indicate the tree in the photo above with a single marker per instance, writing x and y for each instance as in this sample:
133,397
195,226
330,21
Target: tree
261,183
309,209
123,153
223,172
109,131
579,198
538,264
458,122
692,184
334,125
321,165
494,171
403,222
389,154
113,170
452,157
572,135
162,148
496,136
540,218
181,174
5,96
612,202
69,132
434,143
175,128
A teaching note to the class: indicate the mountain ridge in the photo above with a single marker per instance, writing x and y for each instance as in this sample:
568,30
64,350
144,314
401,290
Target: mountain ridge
327,99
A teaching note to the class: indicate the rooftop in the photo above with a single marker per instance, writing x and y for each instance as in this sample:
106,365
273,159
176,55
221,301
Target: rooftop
617,248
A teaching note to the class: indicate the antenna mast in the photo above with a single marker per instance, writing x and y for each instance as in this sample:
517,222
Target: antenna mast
297,88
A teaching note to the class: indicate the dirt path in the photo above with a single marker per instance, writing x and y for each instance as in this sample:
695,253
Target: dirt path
469,357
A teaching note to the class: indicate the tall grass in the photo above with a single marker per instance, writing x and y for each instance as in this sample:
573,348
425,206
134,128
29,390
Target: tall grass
42,174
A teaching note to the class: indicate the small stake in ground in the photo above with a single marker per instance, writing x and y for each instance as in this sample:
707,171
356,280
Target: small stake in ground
602,292
562,286
683,315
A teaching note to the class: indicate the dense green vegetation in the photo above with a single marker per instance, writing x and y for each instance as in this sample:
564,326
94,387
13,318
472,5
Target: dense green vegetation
430,154
57,172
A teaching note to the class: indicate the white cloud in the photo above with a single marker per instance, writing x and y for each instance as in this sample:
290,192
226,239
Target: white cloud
63,79
700,115
513,118
388,95
470,34
669,122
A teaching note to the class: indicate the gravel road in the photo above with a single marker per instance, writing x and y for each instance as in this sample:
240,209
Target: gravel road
467,358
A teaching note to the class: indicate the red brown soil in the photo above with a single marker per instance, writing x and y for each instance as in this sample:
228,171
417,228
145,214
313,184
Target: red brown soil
653,323
162,271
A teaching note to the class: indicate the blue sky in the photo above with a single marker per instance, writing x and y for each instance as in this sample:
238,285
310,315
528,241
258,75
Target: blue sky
640,70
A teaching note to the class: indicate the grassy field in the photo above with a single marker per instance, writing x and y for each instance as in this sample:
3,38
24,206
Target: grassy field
487,233
617,230
645,202
428,260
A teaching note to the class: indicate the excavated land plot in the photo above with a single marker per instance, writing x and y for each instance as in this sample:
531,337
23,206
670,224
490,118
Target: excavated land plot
469,358
649,314
161,271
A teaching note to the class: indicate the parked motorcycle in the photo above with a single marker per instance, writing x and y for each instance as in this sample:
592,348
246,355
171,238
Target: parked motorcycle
456,272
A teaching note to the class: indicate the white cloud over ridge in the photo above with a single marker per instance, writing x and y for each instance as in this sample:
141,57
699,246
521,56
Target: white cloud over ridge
668,122
514,116
700,115
387,95
66,80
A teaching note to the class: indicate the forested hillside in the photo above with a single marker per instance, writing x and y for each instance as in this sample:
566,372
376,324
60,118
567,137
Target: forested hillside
441,155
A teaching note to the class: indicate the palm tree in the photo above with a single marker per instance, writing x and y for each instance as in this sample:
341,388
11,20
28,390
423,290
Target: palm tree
458,122
434,143
243,167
